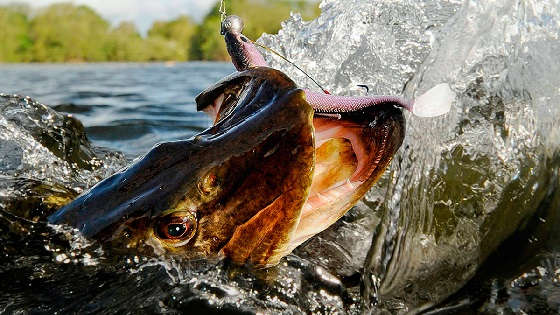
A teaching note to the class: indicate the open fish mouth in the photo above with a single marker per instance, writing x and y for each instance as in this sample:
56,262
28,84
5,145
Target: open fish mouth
269,174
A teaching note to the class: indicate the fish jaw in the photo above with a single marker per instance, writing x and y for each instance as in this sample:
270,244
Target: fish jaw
352,150
364,143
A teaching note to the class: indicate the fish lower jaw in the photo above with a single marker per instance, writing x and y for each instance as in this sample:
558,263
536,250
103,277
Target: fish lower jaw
329,196
324,208
336,180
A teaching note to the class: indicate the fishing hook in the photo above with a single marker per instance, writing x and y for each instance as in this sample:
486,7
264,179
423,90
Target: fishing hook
223,15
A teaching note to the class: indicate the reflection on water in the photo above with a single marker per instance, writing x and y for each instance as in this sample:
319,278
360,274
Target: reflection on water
127,107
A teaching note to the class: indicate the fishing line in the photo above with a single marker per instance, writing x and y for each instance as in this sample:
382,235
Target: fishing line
223,15
292,63
222,11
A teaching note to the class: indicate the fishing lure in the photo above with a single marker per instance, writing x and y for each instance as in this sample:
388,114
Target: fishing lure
244,54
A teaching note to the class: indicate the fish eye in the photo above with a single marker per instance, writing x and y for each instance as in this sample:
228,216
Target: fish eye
243,38
177,226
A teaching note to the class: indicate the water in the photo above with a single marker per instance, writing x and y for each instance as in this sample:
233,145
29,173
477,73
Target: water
465,182
125,107
47,160
469,206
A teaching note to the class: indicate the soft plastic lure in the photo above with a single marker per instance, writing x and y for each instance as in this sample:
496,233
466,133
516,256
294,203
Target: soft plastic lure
244,54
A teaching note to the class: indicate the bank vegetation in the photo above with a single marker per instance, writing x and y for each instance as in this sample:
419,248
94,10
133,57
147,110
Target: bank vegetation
65,32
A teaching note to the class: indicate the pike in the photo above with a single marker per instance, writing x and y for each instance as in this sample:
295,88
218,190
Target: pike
278,165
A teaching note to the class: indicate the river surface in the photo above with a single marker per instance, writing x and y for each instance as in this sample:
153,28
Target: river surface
124,106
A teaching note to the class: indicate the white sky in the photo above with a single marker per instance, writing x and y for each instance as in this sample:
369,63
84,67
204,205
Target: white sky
142,12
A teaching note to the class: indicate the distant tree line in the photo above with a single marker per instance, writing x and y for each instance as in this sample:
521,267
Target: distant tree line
65,32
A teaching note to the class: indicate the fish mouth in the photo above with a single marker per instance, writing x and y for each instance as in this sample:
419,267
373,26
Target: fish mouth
267,175
351,148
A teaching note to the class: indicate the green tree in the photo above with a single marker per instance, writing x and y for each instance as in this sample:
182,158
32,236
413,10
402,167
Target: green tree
159,49
178,33
208,44
14,34
65,32
124,43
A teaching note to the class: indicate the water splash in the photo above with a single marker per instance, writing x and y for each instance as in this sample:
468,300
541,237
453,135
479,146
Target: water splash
461,184
464,182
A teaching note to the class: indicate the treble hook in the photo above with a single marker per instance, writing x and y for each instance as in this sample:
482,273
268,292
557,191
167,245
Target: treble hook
365,87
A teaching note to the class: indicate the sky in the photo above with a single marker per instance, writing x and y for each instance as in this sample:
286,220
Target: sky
142,12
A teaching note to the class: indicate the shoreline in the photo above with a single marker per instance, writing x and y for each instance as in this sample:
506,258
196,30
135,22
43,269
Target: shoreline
171,63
